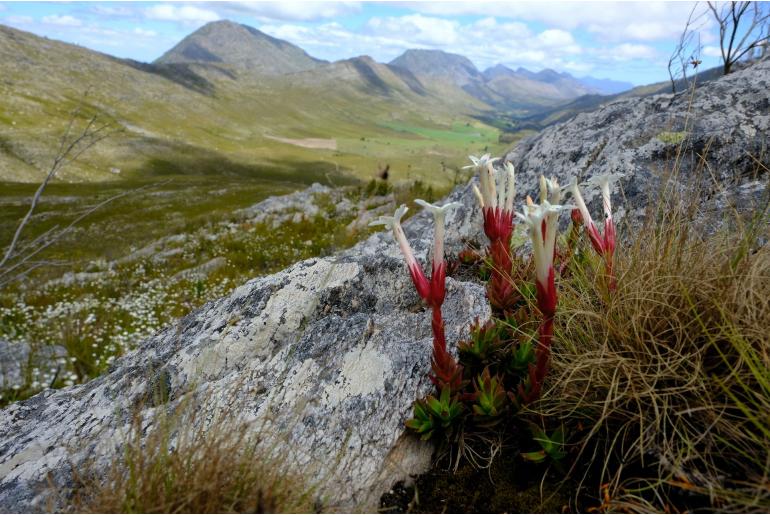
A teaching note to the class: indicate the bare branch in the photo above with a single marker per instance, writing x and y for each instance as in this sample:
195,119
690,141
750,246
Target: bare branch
7,275
742,27
70,149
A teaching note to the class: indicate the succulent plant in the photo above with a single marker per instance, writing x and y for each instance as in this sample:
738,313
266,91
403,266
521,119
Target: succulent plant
491,399
551,446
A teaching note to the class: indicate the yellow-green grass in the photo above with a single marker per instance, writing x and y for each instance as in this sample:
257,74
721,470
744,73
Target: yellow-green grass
161,119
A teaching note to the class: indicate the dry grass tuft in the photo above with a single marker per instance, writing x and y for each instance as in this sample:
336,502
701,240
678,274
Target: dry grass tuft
176,466
670,376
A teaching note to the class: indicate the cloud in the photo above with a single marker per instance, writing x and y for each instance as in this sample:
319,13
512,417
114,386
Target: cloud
558,39
186,14
613,21
417,28
64,21
112,11
286,11
18,20
144,32
631,51
712,51
2,7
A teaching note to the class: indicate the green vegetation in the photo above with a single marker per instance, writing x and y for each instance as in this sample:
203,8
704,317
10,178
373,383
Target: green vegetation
146,259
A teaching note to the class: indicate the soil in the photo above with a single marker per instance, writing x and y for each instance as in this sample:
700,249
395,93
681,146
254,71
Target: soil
325,144
509,485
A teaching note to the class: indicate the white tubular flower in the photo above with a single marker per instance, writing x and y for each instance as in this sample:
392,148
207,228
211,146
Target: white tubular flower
542,244
478,196
394,223
543,189
603,182
511,187
439,217
533,215
502,191
485,171
491,185
581,205
554,191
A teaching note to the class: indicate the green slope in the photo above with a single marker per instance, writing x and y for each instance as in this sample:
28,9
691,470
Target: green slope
213,118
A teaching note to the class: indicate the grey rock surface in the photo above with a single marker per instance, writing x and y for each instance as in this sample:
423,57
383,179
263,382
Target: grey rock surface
17,357
725,121
328,355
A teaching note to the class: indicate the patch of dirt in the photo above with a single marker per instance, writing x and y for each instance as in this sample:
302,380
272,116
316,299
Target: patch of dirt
325,144
509,485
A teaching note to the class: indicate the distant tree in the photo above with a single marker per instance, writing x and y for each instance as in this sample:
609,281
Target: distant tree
743,27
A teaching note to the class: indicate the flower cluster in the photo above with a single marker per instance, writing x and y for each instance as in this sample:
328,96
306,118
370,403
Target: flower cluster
498,189
502,365
447,373
603,244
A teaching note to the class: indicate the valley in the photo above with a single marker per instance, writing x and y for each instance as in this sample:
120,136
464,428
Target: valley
224,120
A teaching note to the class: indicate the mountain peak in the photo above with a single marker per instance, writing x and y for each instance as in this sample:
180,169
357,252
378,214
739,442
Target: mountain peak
241,46
438,64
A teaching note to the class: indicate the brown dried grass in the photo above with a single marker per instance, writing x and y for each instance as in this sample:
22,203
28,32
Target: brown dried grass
670,375
181,464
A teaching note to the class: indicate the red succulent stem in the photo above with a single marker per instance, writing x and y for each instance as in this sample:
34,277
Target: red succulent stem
421,283
596,240
604,246
498,226
446,370
546,302
609,252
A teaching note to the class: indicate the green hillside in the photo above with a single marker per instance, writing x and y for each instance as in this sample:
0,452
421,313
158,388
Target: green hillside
223,118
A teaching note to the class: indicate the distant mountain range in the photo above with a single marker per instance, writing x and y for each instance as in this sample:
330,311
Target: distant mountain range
246,48
228,92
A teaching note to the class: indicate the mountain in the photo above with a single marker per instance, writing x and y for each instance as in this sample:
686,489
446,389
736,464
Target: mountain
241,46
439,65
520,90
606,86
229,111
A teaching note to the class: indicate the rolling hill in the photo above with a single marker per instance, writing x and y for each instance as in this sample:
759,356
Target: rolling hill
244,47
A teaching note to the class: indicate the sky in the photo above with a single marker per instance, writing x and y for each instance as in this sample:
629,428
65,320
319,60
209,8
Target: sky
627,41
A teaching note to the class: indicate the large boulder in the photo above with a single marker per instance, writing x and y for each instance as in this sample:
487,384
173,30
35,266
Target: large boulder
325,357
718,135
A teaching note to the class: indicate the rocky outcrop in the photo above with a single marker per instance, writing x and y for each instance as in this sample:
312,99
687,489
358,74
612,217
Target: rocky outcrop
326,357
726,122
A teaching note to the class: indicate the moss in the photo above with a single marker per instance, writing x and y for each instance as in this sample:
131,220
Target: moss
672,138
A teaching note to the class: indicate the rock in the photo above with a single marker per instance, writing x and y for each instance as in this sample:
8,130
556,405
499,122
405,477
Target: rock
17,357
328,354
727,121
201,271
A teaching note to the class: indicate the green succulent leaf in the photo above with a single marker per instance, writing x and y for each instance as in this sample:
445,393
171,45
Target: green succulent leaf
536,456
